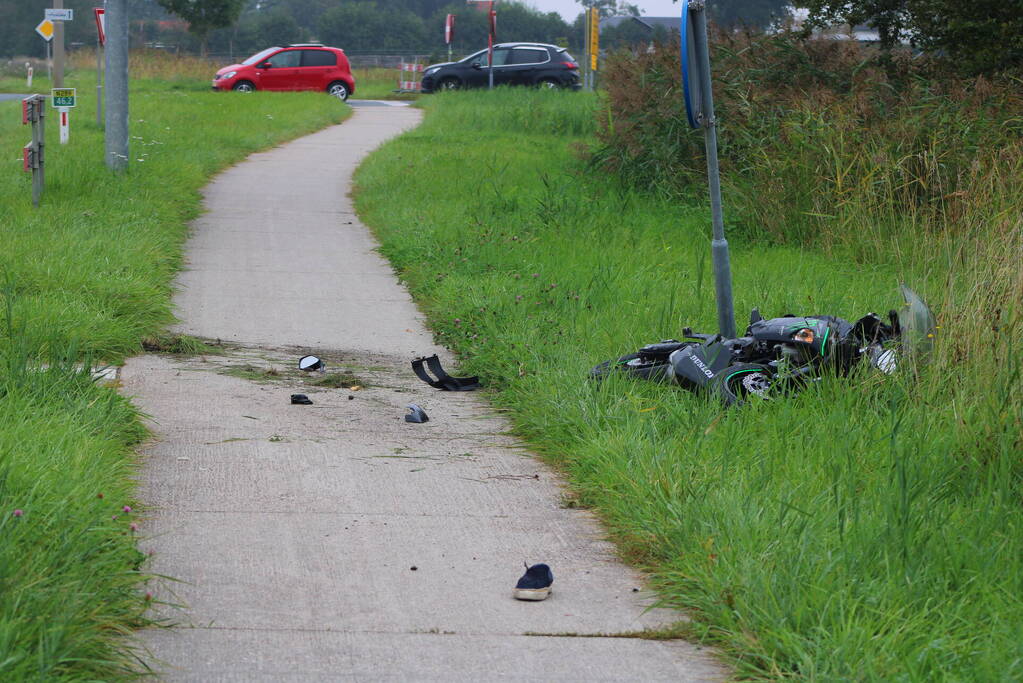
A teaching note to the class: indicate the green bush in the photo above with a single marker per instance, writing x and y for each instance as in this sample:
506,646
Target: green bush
808,128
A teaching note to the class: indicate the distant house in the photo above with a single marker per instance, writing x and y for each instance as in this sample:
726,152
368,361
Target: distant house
648,23
634,32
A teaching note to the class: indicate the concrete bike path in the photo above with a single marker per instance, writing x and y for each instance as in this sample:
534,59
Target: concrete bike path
335,541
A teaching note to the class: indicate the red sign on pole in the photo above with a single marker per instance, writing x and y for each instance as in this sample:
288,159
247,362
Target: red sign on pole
493,22
449,29
100,15
26,156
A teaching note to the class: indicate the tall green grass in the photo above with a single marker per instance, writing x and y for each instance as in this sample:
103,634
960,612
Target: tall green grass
868,529
84,279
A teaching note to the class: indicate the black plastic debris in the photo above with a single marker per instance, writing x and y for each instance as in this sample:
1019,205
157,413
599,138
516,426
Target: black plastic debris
300,400
416,414
443,380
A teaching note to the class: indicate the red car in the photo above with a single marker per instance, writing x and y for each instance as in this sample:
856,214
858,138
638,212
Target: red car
305,66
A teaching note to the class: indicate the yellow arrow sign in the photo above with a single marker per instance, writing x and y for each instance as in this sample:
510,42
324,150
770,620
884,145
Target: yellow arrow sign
45,29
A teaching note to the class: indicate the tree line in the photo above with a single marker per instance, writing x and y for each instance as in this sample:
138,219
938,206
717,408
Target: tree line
980,36
240,27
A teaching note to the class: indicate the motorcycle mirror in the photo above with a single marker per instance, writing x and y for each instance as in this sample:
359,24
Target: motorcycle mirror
310,363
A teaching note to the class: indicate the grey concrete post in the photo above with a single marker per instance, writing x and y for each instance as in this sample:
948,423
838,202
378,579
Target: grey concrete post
58,48
719,246
116,136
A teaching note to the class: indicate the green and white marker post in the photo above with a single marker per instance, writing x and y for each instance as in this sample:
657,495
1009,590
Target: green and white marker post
63,100
699,100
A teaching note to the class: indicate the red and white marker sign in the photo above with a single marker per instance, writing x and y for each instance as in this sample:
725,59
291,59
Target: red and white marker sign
65,129
449,29
101,24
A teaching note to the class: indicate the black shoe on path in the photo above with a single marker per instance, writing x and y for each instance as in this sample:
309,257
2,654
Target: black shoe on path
535,584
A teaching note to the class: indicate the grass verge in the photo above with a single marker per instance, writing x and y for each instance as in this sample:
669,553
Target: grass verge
867,529
180,72
86,278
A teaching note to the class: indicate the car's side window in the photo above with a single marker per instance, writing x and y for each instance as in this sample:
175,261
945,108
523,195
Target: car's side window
528,56
288,58
480,59
501,56
318,58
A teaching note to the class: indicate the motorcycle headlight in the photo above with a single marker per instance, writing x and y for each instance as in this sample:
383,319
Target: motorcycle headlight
885,360
804,335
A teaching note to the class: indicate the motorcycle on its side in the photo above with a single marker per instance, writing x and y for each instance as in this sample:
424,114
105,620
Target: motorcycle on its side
778,356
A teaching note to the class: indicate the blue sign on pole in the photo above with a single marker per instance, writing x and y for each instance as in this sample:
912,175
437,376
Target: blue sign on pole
692,87
699,99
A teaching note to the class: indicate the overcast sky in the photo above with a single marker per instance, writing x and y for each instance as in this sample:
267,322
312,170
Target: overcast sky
569,9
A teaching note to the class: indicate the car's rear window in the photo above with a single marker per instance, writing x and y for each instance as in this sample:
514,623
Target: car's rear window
565,57
522,55
318,58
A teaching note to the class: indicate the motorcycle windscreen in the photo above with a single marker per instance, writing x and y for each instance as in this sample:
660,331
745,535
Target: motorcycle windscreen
917,323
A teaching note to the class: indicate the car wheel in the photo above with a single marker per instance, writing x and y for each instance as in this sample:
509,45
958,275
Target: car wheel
244,86
450,83
339,90
549,84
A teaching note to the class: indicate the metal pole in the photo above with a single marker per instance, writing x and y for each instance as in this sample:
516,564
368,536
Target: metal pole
719,246
39,138
49,62
58,48
586,41
116,137
99,82
490,43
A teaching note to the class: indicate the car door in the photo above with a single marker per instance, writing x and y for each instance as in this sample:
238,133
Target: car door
504,70
527,65
283,72
317,68
475,73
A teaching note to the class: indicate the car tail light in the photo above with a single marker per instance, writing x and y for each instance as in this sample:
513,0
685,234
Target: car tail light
570,65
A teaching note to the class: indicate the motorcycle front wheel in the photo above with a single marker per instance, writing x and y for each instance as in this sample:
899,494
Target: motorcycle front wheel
744,382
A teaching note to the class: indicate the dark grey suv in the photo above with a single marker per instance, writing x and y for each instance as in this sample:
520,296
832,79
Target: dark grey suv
537,64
